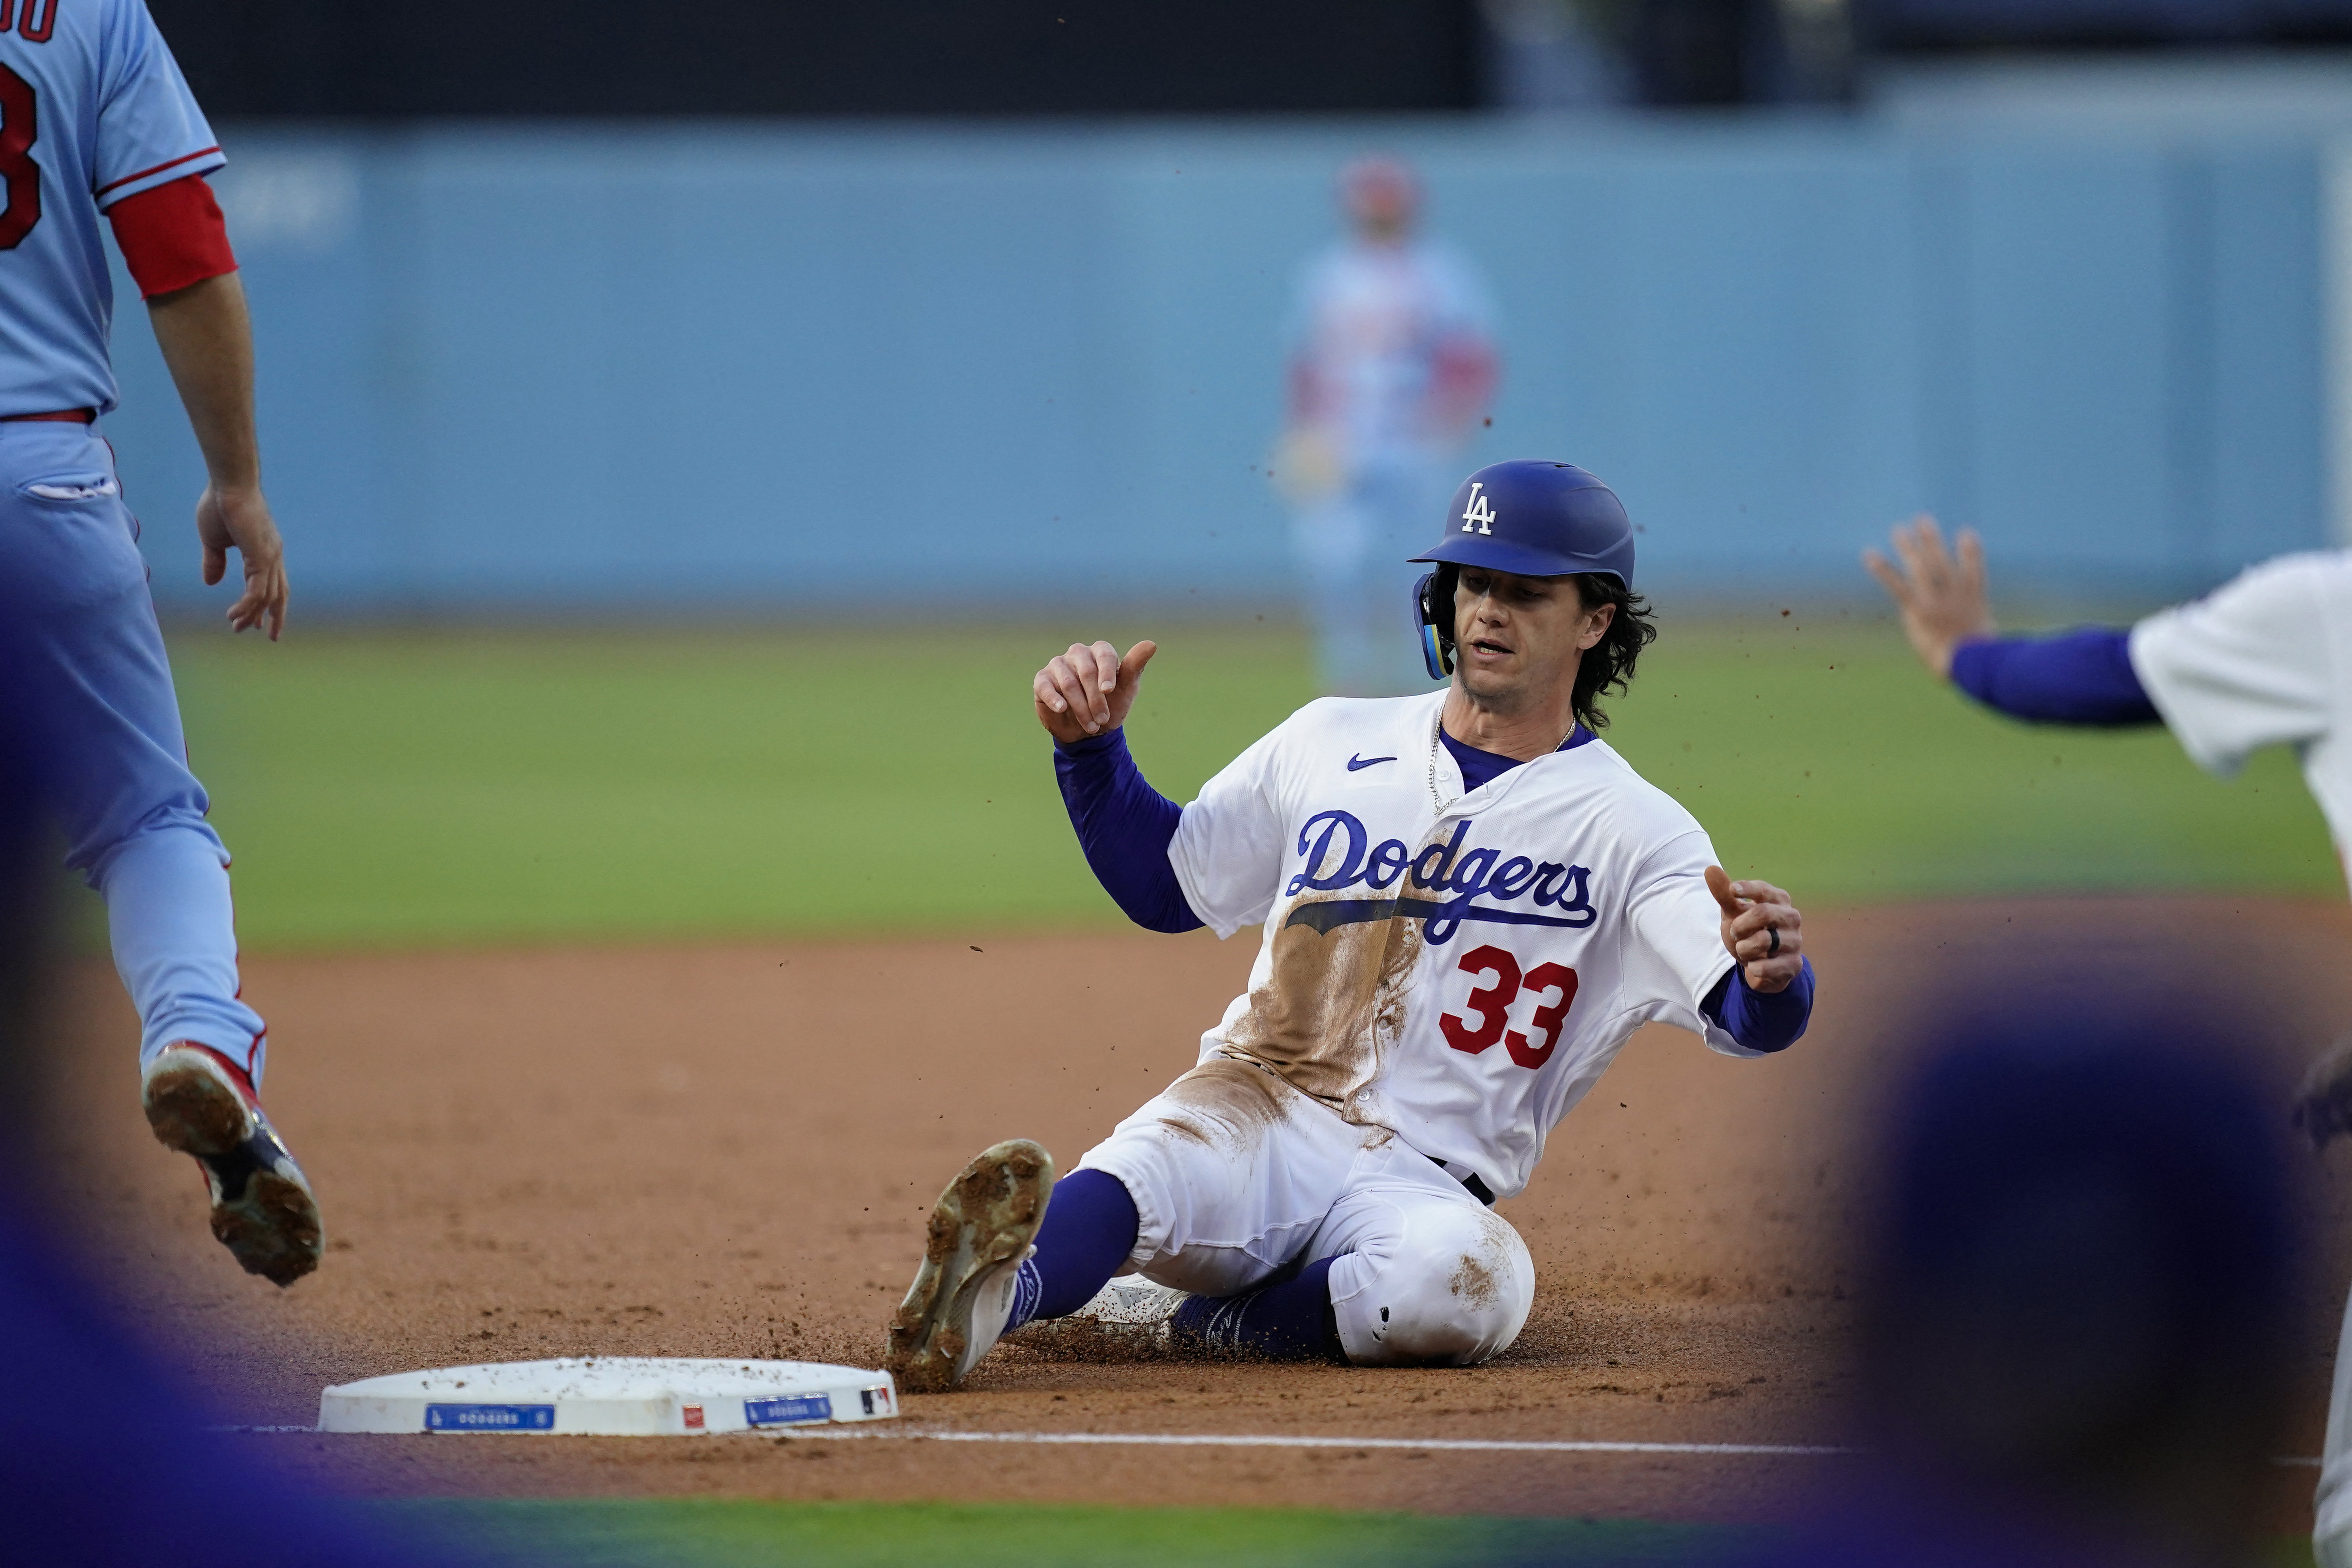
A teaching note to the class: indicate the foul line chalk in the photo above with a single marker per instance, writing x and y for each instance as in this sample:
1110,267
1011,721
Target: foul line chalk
1268,1440
1243,1440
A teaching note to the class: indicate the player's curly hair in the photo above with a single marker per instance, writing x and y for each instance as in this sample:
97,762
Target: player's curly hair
1608,664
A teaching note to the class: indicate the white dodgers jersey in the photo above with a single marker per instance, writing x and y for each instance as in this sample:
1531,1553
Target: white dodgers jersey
1460,974
2263,660
92,110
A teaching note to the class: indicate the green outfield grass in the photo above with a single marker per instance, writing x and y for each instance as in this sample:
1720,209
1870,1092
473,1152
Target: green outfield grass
700,1534
462,787
724,1533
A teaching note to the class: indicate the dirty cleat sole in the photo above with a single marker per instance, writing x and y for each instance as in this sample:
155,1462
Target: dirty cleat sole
981,1230
262,1207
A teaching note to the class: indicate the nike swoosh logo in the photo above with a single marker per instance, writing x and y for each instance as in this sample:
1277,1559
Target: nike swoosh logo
1358,763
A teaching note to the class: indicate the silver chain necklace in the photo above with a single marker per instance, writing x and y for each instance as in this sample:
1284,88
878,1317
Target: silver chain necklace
1437,730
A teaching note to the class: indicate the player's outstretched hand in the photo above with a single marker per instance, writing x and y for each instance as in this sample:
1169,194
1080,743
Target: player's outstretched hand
1088,690
1761,929
1940,591
239,520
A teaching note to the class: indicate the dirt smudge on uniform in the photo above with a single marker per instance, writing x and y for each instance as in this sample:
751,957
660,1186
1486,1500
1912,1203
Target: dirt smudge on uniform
1481,1279
1332,1005
1474,1282
1236,1100
1184,1127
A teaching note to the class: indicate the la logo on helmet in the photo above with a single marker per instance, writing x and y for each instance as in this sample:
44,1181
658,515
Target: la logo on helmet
1478,514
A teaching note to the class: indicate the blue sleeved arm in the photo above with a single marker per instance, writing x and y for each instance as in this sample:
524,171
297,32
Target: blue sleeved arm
2082,677
1762,1021
1125,828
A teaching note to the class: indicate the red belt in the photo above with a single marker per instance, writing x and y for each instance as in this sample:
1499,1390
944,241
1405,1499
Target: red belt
61,416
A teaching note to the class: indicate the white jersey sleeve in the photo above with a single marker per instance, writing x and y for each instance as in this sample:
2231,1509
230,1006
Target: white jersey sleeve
2252,665
1674,952
1228,849
2266,660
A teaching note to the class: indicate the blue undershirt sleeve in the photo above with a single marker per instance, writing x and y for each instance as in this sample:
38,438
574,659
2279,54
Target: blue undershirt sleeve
1125,828
1762,1021
2083,677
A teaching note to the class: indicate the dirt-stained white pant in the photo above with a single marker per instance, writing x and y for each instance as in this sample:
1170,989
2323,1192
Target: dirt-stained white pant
2332,1528
1238,1180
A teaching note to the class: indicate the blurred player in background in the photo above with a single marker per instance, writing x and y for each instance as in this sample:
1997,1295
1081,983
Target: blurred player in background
1392,367
2266,659
96,120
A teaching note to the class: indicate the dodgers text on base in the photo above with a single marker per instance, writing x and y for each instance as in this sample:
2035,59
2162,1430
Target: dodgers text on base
610,1397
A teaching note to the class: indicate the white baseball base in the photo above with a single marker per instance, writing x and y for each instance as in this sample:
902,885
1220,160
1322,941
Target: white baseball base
612,1396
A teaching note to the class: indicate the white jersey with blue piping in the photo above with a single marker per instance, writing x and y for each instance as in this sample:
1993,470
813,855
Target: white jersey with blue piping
92,110
1460,974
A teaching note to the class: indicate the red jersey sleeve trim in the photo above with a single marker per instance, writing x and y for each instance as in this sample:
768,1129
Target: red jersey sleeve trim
173,236
170,163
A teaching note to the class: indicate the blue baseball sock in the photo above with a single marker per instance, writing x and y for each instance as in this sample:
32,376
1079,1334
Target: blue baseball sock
1289,1321
1089,1231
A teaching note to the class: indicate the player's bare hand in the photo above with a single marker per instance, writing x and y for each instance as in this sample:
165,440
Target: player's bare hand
239,520
1088,690
1940,591
1761,929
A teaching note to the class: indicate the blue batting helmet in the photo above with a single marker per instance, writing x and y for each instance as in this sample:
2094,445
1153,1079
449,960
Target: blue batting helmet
1531,518
1538,519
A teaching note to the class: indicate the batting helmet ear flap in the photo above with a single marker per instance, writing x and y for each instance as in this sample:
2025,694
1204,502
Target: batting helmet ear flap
1432,616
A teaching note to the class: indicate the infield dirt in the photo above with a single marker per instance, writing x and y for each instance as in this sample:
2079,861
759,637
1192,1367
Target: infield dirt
730,1151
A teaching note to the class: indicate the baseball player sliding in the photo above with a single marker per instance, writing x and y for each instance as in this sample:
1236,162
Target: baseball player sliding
95,119
1468,901
2266,659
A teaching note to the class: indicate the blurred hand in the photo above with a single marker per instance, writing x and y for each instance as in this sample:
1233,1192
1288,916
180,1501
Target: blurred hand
1761,929
1088,690
239,520
1307,465
1462,372
1942,596
2323,1106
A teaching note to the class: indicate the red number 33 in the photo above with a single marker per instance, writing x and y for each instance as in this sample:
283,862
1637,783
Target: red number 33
1492,1005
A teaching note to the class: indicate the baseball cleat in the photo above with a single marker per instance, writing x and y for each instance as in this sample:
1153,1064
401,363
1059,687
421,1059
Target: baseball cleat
1135,1311
980,1232
201,1103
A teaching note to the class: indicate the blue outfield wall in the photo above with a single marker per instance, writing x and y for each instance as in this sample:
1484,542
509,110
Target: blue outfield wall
647,367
